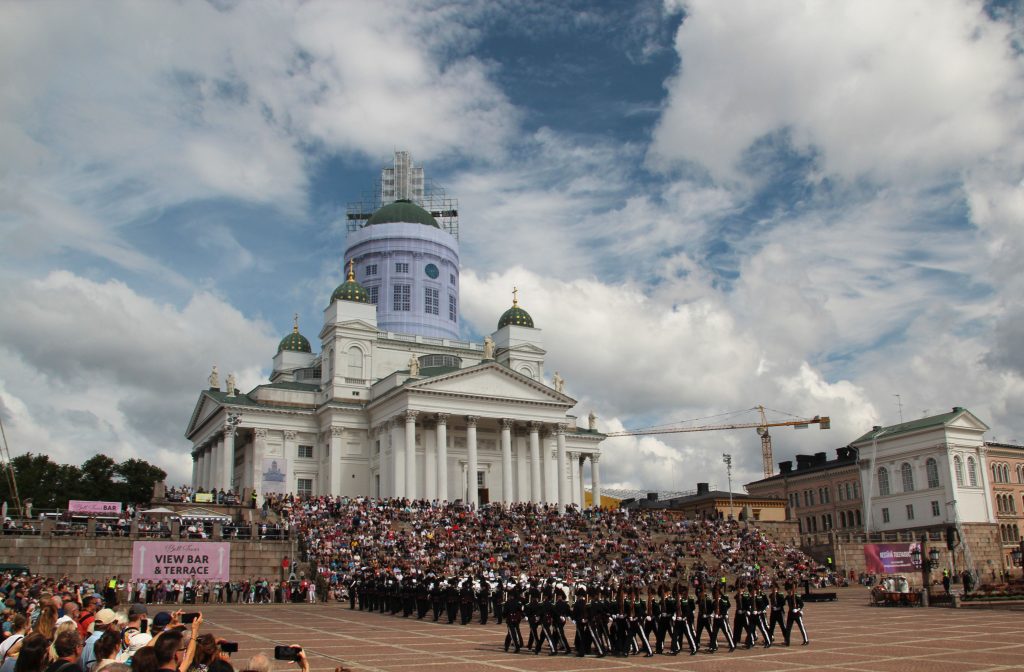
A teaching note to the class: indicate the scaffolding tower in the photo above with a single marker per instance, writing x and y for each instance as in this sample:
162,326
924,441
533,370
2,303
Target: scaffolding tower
405,180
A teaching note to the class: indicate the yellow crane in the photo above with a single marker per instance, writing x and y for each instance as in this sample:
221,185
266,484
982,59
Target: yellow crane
823,422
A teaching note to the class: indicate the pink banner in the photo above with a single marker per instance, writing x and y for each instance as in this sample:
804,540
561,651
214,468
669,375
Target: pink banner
890,558
200,560
94,508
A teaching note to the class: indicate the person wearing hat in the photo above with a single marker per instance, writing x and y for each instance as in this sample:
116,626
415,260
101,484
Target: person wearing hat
135,634
513,613
104,620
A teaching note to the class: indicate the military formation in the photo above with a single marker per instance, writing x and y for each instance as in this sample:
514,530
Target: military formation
620,621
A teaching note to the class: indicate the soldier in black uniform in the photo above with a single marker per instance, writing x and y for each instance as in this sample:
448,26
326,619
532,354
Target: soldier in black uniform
706,605
437,596
423,597
466,601
354,589
513,612
498,598
777,606
758,622
741,619
668,612
409,590
601,614
546,613
638,623
581,616
721,620
533,614
795,614
483,599
684,625
560,617
653,610
451,598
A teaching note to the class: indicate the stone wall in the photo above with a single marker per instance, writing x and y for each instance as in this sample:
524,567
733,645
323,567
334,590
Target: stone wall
99,557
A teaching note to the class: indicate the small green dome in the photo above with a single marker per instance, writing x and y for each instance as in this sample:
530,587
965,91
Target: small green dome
294,342
402,211
350,290
515,315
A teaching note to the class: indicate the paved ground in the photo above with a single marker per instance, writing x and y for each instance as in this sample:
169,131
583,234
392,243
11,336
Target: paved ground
845,635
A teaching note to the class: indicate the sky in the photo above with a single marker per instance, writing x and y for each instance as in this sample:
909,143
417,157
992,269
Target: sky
706,205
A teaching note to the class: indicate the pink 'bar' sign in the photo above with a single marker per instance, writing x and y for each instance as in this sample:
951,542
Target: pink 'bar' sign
198,560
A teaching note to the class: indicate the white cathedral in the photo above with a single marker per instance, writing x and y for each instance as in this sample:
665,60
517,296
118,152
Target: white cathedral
394,404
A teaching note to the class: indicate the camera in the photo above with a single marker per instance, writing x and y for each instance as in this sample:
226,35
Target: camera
188,618
286,652
229,647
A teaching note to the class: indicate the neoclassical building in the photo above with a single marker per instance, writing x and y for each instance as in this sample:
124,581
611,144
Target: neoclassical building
394,404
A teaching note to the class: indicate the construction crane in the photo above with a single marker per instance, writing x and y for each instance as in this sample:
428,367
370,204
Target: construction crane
8,468
823,422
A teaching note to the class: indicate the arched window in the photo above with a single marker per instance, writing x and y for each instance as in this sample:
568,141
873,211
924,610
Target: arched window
995,473
883,481
355,363
842,519
958,467
1006,473
857,514
907,473
999,503
931,468
972,472
1020,473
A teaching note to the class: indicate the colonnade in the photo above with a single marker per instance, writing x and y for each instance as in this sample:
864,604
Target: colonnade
213,463
545,475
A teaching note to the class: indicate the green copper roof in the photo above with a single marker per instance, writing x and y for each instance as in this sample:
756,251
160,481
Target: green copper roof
295,342
350,290
402,211
912,426
516,316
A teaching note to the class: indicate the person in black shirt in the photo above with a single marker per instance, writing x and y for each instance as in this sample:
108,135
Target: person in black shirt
721,620
559,616
581,617
741,619
795,605
638,623
451,599
777,606
466,601
758,621
483,599
706,605
666,616
534,613
513,612
684,624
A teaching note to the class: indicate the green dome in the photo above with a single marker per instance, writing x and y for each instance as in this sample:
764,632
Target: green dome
350,290
515,316
402,211
294,342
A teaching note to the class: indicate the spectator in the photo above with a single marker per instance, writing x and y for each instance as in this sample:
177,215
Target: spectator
68,647
35,651
70,613
104,651
133,638
46,624
144,660
104,622
19,628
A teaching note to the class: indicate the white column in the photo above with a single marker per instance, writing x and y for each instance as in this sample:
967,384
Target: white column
259,450
563,470
429,463
442,456
506,460
983,466
581,489
550,469
471,466
208,467
410,454
195,468
228,458
535,492
334,488
398,458
290,453
595,478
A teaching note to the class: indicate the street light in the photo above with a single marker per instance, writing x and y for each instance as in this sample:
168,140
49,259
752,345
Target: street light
933,556
727,458
915,556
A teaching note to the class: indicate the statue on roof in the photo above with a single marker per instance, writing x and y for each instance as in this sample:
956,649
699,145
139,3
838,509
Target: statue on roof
414,366
231,384
592,421
559,383
214,378
488,347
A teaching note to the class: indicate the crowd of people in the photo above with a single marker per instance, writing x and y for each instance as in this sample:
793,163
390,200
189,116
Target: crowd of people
57,626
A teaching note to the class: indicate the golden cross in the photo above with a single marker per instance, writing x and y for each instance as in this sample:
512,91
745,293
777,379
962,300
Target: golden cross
351,269
296,323
515,296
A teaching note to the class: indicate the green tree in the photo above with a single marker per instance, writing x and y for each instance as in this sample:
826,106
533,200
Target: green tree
137,478
98,474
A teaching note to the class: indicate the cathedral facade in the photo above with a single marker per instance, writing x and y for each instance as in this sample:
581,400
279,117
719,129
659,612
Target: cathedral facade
394,404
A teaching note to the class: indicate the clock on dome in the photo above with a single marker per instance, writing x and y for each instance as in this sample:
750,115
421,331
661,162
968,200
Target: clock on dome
431,271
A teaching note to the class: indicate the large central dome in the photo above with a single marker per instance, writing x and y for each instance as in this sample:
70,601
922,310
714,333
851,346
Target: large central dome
402,211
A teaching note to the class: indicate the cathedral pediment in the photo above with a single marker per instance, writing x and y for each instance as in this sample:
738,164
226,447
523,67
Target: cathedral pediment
491,380
205,407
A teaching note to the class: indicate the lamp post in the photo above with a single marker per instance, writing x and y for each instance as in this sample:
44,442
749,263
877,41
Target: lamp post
727,458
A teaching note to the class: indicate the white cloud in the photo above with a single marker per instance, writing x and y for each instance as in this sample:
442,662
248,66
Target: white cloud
90,367
893,90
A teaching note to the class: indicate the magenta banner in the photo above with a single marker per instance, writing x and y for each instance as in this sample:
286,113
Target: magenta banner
890,558
201,560
94,508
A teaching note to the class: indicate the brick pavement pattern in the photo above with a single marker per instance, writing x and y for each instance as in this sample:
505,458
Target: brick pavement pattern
845,635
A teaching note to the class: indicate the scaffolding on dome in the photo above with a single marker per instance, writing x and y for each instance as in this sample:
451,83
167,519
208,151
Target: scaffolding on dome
405,180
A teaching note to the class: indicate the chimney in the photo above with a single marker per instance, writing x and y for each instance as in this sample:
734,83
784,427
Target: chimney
702,489
804,461
786,467
820,458
958,409
652,496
